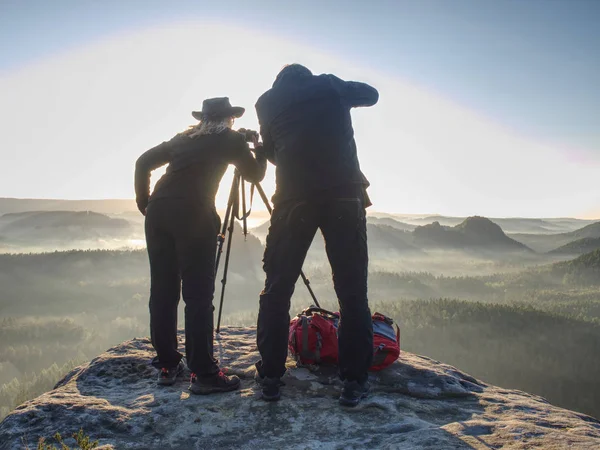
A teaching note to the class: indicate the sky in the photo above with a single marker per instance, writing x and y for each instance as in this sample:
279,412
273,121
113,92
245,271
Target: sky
486,107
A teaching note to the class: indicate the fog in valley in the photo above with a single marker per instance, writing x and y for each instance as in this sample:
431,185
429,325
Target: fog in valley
514,302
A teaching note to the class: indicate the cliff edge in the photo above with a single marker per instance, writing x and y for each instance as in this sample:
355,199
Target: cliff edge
416,403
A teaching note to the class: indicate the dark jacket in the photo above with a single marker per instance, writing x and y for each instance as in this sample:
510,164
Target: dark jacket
196,166
307,133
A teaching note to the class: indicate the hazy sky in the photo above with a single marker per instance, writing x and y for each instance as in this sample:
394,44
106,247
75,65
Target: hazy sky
487,107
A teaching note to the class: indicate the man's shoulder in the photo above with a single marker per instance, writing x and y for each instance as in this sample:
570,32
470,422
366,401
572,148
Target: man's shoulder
263,99
285,91
327,78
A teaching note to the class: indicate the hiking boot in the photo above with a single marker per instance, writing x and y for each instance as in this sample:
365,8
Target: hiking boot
270,388
210,385
167,377
353,392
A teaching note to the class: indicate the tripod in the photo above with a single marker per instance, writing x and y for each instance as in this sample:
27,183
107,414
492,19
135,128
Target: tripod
233,212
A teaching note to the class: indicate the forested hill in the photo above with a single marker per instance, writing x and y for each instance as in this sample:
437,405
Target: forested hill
582,270
578,247
61,228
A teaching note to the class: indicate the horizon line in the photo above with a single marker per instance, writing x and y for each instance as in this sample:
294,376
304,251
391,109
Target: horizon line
423,215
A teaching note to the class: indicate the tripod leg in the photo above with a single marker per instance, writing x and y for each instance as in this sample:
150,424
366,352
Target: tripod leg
265,200
228,213
244,221
224,279
310,291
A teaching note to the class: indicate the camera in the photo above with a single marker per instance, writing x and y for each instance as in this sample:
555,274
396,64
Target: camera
249,135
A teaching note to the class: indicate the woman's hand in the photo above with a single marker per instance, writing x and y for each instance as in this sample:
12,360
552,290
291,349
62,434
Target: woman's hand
142,205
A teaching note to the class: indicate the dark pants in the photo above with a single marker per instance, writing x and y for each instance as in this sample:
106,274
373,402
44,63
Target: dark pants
293,226
181,240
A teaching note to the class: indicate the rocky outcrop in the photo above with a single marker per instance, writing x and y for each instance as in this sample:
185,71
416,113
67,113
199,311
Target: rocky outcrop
473,233
416,403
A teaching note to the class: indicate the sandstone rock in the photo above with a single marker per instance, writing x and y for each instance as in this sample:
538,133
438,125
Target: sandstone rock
416,403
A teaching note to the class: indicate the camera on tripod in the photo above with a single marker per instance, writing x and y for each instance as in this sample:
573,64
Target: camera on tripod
249,135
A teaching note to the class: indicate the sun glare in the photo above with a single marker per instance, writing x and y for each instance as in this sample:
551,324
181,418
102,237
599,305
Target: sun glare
104,104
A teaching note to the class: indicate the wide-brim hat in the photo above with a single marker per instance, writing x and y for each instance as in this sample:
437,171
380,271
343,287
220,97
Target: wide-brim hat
218,108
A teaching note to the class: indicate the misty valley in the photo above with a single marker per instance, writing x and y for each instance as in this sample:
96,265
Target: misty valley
514,302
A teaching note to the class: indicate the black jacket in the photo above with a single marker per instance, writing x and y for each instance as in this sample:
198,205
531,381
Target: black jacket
307,133
196,166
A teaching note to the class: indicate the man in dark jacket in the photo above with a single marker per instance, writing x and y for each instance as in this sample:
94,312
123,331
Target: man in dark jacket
307,133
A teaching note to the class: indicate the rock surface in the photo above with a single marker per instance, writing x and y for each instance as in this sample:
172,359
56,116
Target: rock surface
416,403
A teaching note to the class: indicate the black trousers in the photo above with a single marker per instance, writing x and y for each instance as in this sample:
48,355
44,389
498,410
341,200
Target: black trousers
293,226
181,241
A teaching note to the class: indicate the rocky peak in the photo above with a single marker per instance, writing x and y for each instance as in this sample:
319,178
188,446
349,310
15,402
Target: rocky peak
416,403
480,225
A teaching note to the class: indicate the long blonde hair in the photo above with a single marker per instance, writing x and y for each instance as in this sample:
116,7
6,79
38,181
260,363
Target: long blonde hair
209,127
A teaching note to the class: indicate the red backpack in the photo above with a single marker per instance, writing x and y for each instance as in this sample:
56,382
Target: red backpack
312,338
386,342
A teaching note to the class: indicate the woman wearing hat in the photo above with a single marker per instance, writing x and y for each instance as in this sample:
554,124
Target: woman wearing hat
181,229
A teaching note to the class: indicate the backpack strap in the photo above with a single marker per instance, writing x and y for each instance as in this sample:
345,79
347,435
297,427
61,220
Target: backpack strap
383,318
308,312
379,355
305,353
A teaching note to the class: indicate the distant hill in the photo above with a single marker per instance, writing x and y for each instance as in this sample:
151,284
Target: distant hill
246,252
36,226
590,231
508,225
473,233
442,220
578,247
388,221
16,205
385,238
42,219
538,226
546,243
261,230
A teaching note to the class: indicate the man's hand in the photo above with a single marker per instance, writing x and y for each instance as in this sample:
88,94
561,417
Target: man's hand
255,141
259,150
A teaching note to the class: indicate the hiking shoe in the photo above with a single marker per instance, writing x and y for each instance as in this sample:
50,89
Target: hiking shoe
210,385
259,378
353,392
167,377
270,388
